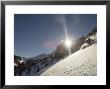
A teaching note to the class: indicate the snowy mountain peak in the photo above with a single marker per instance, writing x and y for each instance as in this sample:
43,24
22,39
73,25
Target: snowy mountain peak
41,56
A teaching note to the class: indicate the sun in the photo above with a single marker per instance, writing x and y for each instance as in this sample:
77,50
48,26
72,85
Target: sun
68,43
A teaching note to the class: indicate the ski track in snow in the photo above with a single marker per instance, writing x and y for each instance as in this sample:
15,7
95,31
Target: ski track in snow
81,63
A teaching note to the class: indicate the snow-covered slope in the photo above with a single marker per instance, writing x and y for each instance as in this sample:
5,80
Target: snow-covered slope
81,63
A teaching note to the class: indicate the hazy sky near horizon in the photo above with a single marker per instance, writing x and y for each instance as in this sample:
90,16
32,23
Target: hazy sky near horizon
35,34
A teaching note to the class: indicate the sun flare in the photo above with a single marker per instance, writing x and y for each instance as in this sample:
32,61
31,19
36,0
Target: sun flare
68,43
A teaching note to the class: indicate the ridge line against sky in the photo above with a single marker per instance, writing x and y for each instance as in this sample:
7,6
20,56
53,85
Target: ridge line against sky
35,34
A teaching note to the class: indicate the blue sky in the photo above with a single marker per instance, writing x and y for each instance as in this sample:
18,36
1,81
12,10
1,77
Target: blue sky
35,34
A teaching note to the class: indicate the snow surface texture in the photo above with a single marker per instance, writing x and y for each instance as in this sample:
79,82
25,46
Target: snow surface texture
81,63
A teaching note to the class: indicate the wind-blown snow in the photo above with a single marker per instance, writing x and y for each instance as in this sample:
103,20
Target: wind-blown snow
81,63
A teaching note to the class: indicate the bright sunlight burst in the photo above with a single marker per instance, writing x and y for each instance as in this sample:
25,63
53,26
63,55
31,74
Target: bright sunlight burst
68,43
